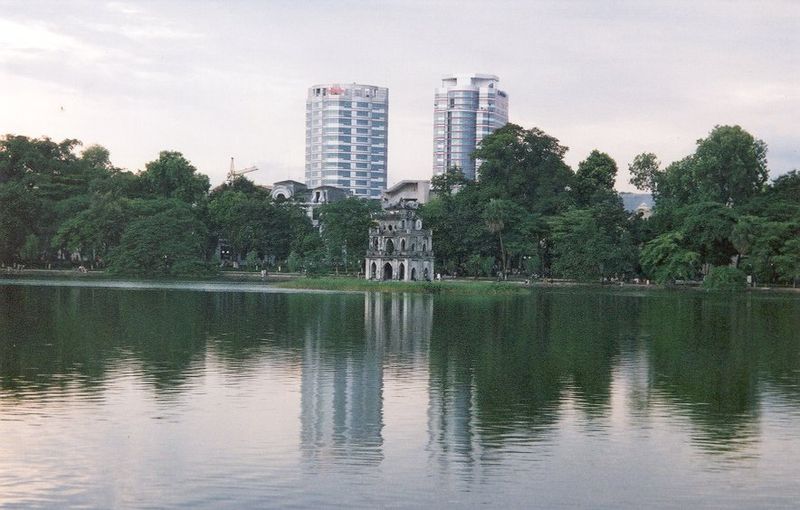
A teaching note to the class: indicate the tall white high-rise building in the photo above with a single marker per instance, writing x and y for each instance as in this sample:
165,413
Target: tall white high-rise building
346,137
467,108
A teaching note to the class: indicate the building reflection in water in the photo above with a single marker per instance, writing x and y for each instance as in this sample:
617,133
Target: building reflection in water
343,375
451,407
399,325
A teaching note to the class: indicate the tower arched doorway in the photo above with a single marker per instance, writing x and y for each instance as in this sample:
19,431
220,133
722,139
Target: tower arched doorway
401,273
373,271
387,271
413,274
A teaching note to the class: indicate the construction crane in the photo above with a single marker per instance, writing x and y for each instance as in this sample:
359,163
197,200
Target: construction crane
233,173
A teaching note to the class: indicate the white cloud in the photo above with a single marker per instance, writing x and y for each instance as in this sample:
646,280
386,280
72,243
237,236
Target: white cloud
34,40
123,8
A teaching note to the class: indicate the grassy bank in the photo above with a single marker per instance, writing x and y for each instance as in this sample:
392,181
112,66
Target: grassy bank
443,287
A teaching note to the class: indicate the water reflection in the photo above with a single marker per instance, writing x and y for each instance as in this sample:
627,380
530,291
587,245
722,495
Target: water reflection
479,385
712,355
341,387
398,324
343,381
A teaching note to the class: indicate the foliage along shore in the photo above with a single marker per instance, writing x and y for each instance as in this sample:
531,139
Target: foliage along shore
716,217
295,281
350,284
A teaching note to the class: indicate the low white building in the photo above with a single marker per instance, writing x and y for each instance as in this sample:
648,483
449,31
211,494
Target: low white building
310,198
407,191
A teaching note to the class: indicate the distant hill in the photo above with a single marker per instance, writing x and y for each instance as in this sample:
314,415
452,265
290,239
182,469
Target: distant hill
630,201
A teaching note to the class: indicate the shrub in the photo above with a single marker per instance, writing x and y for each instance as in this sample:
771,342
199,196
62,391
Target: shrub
194,268
725,278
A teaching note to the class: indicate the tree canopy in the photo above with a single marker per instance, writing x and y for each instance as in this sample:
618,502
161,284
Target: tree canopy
528,213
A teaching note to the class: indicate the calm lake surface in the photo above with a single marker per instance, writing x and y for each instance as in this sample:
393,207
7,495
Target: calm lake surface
215,396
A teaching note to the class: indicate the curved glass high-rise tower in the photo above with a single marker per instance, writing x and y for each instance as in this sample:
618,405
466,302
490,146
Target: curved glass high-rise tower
346,135
467,107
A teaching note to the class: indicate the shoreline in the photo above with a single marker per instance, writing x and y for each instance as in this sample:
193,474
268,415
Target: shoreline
330,283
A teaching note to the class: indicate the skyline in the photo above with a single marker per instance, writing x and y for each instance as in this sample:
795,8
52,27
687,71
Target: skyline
624,78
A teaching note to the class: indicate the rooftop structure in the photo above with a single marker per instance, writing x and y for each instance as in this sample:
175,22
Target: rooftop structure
310,198
409,190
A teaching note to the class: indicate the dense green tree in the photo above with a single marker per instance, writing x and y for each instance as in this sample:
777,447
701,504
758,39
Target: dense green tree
447,183
97,157
256,222
786,187
708,229
765,240
725,278
458,227
478,265
173,176
31,250
717,206
730,165
676,186
169,242
58,182
19,211
526,167
26,159
787,262
243,185
523,171
454,215
96,230
592,244
501,216
594,180
308,253
665,259
644,171
344,227
745,234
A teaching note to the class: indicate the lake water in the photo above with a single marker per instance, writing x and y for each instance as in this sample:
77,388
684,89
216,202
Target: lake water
214,396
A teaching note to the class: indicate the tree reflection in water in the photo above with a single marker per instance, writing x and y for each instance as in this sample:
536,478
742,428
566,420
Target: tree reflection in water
500,371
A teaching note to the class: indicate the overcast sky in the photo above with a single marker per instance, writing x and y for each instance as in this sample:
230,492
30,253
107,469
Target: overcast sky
221,79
